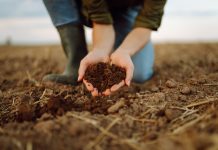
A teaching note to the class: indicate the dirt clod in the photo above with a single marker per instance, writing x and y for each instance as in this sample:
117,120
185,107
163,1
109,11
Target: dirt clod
202,79
154,89
116,106
103,76
185,90
172,113
25,112
171,83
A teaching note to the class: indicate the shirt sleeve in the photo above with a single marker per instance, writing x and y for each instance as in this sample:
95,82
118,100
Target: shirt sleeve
98,11
151,14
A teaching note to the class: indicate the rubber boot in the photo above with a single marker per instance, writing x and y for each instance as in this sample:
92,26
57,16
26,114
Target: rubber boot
74,46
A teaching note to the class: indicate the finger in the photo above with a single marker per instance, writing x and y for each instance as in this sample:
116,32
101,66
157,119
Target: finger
94,92
88,85
82,68
106,60
129,74
117,86
107,92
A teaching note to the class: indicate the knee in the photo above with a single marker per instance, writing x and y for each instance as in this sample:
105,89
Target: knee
142,76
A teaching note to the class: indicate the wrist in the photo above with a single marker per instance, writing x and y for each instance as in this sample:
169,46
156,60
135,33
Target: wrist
125,51
132,44
102,50
103,38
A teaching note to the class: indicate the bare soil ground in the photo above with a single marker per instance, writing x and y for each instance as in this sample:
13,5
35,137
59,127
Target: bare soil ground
176,109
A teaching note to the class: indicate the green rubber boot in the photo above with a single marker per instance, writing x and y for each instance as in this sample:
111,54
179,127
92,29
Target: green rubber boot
74,45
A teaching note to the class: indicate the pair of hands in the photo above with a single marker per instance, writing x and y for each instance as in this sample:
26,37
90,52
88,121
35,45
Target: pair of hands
103,43
118,58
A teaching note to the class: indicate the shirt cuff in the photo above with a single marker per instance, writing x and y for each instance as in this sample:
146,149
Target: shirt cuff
103,18
141,21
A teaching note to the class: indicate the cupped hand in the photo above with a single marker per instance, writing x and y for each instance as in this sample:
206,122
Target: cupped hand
92,57
123,60
118,58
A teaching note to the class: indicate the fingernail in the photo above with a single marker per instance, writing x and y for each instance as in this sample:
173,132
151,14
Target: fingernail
78,78
128,83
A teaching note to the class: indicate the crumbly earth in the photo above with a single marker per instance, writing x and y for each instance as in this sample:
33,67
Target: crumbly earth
103,75
176,109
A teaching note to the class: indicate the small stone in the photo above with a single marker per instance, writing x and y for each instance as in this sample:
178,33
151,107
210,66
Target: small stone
182,98
114,108
172,113
154,89
202,79
171,84
193,81
185,90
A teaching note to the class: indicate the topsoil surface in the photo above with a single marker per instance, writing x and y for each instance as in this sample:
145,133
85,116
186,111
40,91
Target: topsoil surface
176,109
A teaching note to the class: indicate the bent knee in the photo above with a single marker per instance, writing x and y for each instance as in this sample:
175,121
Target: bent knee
141,77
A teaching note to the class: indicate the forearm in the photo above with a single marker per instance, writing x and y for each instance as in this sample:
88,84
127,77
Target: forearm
135,40
103,37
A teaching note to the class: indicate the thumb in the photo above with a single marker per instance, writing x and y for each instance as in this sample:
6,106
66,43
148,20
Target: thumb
129,74
82,68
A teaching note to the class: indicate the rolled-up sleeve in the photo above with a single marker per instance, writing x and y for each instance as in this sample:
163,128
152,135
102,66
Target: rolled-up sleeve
151,14
97,11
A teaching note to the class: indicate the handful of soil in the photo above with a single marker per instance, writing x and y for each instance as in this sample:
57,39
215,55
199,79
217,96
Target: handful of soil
103,75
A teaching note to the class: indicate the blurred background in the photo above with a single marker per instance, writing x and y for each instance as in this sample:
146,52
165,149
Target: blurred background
27,22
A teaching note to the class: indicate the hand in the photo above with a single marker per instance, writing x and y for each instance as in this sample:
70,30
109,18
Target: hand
102,47
122,56
121,59
93,57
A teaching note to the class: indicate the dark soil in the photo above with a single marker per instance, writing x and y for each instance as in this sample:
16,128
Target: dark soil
103,75
176,109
